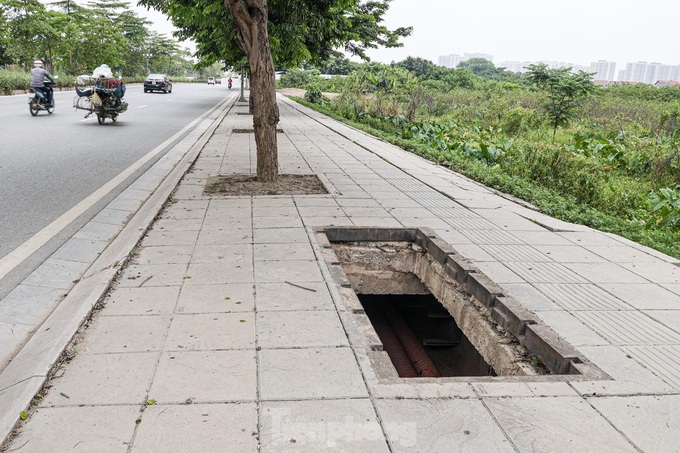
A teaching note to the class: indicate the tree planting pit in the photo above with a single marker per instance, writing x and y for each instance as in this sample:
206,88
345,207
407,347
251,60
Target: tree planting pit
425,311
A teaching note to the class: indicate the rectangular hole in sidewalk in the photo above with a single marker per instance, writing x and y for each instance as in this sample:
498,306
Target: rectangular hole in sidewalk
436,315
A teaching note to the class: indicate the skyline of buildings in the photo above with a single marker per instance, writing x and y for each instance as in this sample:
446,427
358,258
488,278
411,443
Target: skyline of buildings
640,72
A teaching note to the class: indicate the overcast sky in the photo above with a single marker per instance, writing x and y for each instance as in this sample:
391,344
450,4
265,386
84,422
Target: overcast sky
577,32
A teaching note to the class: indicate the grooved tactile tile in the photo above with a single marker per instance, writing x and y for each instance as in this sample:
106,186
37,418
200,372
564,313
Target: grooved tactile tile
628,327
581,297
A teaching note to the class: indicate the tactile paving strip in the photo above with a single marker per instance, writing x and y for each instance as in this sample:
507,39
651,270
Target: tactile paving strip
515,252
497,236
581,297
544,272
628,327
664,361
471,223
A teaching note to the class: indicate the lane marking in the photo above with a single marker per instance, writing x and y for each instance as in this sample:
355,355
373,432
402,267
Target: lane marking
19,254
143,106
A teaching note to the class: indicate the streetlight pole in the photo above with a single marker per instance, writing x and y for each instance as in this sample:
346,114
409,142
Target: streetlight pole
242,98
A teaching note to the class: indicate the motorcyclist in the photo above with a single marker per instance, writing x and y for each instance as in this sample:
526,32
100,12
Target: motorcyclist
38,76
229,82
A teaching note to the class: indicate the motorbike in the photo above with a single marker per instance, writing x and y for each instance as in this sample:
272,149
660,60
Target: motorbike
37,101
103,97
229,85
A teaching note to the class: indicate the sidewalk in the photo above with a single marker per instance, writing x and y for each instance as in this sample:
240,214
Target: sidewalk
226,332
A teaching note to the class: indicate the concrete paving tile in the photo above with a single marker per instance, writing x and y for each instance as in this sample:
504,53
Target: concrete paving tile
57,274
474,253
178,225
542,238
499,272
103,379
605,272
552,389
675,288
498,237
219,273
473,222
225,236
300,329
327,221
28,304
293,296
316,373
211,331
163,237
222,298
453,237
546,272
113,216
628,327
581,296
430,223
316,201
130,333
569,254
101,429
141,301
588,238
279,235
205,376
214,428
283,271
378,222
139,275
179,254
622,254
320,426
655,272
502,389
652,423
663,361
290,210
223,253
560,424
645,296
629,377
529,296
274,201
669,318
572,329
455,425
357,202
82,250
514,252
277,222
281,252
97,231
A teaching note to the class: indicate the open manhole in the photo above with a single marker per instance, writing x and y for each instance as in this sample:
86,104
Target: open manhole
434,314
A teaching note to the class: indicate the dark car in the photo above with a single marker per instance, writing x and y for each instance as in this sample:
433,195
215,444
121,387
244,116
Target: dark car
157,82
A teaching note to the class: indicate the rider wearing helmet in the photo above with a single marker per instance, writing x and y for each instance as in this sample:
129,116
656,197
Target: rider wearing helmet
38,76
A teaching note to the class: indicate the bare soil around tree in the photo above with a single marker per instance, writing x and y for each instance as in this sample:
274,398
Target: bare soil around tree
248,185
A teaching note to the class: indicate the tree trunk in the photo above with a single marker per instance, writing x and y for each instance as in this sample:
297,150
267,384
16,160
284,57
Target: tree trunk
254,38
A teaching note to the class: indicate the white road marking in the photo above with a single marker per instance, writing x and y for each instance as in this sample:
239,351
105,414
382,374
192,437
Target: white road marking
142,106
19,254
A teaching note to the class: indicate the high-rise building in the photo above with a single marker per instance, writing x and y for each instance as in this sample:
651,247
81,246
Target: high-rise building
604,70
450,61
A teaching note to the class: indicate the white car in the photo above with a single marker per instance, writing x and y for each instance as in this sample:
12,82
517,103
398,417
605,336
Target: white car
211,80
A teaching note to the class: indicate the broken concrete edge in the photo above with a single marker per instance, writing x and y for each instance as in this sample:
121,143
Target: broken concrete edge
43,352
555,352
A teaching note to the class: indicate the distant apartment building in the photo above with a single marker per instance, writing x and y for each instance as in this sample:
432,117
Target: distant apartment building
604,70
649,73
453,60
450,61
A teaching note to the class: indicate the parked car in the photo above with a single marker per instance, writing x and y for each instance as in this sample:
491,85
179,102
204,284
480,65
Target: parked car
211,80
158,82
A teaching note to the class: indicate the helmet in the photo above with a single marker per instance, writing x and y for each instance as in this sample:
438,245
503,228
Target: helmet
38,63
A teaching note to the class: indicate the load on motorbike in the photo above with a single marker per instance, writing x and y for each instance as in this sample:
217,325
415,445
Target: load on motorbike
101,94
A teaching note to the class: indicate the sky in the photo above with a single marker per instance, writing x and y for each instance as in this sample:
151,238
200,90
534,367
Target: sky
577,32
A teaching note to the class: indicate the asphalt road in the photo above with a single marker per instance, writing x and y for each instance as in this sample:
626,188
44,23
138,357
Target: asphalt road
50,163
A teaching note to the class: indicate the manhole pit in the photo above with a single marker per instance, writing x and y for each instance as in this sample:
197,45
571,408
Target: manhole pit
461,318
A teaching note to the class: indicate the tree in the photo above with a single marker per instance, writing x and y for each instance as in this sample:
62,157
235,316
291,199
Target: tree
286,32
564,90
482,67
418,66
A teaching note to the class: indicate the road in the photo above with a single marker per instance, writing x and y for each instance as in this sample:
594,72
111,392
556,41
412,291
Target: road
50,163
